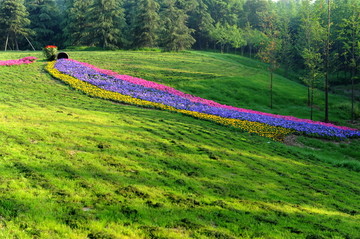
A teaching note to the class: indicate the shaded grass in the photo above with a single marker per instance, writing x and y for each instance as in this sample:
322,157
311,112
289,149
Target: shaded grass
79,167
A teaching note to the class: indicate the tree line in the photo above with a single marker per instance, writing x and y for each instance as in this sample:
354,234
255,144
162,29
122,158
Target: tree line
320,38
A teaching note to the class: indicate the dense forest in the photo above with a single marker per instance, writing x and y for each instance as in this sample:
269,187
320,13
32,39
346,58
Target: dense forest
319,38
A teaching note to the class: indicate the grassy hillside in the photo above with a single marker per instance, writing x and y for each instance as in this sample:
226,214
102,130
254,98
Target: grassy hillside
78,167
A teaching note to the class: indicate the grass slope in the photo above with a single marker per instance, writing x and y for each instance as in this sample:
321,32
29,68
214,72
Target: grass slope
78,167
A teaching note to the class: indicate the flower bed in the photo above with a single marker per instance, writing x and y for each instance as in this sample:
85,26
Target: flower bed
25,60
110,85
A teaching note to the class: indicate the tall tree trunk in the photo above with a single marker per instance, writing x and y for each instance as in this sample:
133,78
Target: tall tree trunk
30,43
7,41
327,50
312,99
16,43
312,104
200,43
271,89
352,95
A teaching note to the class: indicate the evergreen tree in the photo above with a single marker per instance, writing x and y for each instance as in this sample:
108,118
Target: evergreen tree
286,13
76,22
61,4
186,5
106,22
130,12
14,22
45,21
251,11
225,11
146,24
176,34
201,21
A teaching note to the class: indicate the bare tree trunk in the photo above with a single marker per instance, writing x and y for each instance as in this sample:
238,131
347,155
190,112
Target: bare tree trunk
30,43
7,41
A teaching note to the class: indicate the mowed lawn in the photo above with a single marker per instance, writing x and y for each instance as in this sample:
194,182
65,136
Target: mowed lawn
73,166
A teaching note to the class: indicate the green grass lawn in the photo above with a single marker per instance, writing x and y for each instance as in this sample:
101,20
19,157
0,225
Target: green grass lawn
79,167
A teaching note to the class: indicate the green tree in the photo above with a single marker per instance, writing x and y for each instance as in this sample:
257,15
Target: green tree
76,22
253,37
313,62
106,22
146,24
230,35
201,21
130,13
61,4
311,40
252,13
45,22
327,59
14,22
323,8
236,37
219,33
349,35
286,12
225,11
269,52
186,5
176,34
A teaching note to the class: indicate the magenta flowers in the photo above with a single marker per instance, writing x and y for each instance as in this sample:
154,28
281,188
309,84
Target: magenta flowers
25,60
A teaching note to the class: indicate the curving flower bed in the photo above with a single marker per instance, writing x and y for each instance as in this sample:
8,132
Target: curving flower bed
25,60
110,85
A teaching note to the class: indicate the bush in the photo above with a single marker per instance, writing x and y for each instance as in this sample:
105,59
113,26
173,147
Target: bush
50,52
